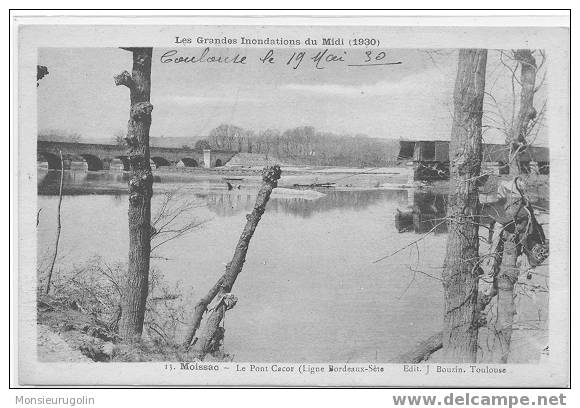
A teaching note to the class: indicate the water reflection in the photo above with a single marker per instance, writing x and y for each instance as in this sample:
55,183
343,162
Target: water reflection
347,200
425,212
219,200
230,203
83,182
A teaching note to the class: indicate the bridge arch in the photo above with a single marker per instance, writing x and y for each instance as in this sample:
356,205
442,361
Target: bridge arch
52,159
189,162
125,161
218,163
93,162
160,161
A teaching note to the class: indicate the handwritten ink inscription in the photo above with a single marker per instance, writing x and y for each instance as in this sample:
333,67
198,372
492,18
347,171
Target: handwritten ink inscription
294,59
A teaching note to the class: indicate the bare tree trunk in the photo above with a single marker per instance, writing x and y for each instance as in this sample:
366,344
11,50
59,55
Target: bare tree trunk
461,268
140,192
506,310
527,111
223,286
58,226
509,272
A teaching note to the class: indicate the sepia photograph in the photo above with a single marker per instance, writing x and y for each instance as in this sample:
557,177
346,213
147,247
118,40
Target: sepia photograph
264,201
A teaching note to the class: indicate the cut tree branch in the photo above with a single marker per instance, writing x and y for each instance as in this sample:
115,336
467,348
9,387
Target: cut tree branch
422,350
211,335
124,78
270,177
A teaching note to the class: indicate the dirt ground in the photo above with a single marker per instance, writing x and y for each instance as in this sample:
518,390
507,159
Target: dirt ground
53,348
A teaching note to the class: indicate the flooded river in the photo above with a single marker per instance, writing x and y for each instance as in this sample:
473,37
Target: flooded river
310,290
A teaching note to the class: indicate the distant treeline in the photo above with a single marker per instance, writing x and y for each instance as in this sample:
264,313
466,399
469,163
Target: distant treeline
299,145
56,135
304,145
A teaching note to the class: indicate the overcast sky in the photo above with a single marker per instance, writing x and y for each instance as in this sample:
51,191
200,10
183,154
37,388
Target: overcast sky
412,100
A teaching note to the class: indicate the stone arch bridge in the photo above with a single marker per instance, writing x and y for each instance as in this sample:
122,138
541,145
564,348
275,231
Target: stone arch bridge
104,156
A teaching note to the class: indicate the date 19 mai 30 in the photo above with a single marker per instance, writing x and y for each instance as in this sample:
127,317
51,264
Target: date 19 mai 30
294,59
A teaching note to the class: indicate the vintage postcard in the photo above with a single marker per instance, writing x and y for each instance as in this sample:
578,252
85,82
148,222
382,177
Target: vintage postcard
307,201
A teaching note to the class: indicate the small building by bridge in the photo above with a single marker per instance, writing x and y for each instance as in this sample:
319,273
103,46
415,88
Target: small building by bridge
430,159
95,157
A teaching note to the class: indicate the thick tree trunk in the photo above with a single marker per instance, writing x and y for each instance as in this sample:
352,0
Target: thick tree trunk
223,286
140,192
461,268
